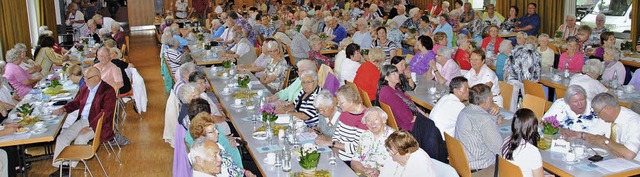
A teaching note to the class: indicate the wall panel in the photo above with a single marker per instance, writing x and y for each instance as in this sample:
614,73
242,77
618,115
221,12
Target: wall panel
14,24
141,12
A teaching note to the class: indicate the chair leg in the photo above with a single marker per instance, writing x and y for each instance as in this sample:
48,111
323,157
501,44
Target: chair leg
115,154
105,171
86,168
106,148
60,166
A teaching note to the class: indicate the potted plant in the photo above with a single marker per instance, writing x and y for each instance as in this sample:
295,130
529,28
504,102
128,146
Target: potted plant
226,64
269,116
551,125
309,158
54,88
243,81
323,36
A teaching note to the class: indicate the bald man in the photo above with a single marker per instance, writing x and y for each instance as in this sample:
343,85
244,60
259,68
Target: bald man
110,73
93,100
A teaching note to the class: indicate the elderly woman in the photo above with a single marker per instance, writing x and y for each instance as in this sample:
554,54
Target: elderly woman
588,79
75,18
521,38
330,113
477,27
395,35
547,54
491,43
572,59
505,52
371,151
509,23
242,51
362,37
275,71
168,21
27,63
290,93
463,52
575,114
606,39
407,155
176,35
19,78
406,82
569,28
46,57
261,62
317,44
490,15
389,47
350,126
203,125
425,26
7,94
480,73
125,90
117,35
439,39
302,107
182,76
368,73
413,21
614,71
520,148
391,94
173,55
425,54
91,30
443,68
524,64
216,29
446,28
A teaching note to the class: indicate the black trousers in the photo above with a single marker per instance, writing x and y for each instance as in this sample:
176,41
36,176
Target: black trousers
12,159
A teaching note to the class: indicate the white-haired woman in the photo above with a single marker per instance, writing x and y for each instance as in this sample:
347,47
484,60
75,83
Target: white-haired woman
117,35
274,73
413,21
503,56
362,37
261,62
27,63
443,68
569,28
575,114
242,51
588,79
547,54
91,30
614,72
394,34
173,55
75,18
371,152
6,90
19,78
330,113
168,21
302,107
316,45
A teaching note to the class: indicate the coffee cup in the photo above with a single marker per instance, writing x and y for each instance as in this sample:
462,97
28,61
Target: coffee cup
414,76
432,90
39,124
570,157
225,75
281,134
579,151
271,158
260,92
237,102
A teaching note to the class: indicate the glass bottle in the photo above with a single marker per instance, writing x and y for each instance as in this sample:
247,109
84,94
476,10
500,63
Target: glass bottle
614,80
566,69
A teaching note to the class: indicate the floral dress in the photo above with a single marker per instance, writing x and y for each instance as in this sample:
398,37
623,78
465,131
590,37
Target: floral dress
266,31
524,65
568,119
395,35
509,24
278,69
371,152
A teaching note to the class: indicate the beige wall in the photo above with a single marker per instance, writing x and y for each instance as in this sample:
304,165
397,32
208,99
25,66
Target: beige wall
141,12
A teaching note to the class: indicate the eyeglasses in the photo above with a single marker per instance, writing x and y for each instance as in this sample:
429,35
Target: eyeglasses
91,77
598,112
391,152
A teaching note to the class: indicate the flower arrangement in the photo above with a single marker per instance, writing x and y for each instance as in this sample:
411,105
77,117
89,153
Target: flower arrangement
558,34
207,46
323,36
413,30
243,81
551,125
226,64
298,27
268,113
80,47
200,37
309,156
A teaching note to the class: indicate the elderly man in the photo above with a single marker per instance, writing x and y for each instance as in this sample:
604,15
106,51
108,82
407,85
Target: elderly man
401,17
569,28
93,101
104,22
300,43
335,32
110,73
624,139
477,130
289,94
205,159
445,113
599,29
530,22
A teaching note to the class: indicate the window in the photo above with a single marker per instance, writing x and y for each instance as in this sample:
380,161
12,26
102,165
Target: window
613,7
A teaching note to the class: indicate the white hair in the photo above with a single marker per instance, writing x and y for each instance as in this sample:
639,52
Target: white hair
309,73
414,11
574,90
373,7
543,35
445,51
116,26
173,43
306,65
604,99
186,69
198,149
47,32
103,31
593,66
272,44
12,55
187,91
42,29
614,52
445,4
323,98
601,16
570,16
505,46
376,112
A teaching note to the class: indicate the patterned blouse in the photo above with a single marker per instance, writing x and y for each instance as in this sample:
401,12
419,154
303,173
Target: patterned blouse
410,23
524,64
246,26
477,27
305,105
320,59
585,122
227,163
279,70
509,24
420,62
395,35
371,151
266,31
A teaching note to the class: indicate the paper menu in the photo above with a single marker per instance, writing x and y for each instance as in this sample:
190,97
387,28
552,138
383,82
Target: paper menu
616,165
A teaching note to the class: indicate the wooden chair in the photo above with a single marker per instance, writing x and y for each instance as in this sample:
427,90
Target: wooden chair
533,88
258,51
365,98
123,49
560,92
554,48
285,83
126,41
391,121
506,90
457,157
536,104
506,168
84,152
292,60
346,82
398,52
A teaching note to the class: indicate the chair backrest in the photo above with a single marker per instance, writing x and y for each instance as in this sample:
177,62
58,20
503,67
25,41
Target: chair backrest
457,156
365,98
168,68
398,52
506,90
560,92
533,88
506,168
285,83
553,47
96,138
346,82
292,61
536,104
126,41
391,121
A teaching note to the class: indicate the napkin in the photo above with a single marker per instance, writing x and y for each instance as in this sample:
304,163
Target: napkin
268,148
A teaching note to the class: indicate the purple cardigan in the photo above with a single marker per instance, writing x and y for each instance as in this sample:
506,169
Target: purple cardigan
181,165
420,62
400,109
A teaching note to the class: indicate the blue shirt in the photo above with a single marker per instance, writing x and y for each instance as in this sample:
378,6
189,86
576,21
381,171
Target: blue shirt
340,33
183,42
533,20
447,29
218,32
84,115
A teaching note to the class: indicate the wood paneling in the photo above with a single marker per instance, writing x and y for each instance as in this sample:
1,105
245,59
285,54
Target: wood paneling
551,12
14,25
635,20
46,9
141,12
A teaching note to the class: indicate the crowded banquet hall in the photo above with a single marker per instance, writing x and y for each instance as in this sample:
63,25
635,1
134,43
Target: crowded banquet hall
362,88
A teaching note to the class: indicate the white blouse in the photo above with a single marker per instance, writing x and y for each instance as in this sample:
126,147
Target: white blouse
485,75
419,164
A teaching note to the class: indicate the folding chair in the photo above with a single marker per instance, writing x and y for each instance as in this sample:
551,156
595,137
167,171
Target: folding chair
84,152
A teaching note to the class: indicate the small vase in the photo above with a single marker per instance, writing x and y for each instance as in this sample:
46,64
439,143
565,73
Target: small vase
310,171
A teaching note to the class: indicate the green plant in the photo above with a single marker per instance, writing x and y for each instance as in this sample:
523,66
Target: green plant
309,156
243,81
323,36
558,34
551,125
268,113
226,64
200,37
54,83
25,109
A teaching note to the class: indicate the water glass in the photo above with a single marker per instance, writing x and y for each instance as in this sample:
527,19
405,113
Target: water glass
332,158
279,159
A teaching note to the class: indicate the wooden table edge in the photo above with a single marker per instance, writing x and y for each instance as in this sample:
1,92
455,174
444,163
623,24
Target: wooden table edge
555,170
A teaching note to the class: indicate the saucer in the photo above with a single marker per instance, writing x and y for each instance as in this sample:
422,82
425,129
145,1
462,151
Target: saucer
600,152
24,130
571,162
237,106
265,161
39,131
261,135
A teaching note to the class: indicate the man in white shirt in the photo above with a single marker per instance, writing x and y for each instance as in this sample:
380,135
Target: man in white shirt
401,17
105,22
624,138
350,66
205,158
445,113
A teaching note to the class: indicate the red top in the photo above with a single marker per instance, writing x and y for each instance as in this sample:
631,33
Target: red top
434,12
496,45
104,102
56,48
462,58
367,78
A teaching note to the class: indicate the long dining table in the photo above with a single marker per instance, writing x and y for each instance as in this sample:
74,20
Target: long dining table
242,119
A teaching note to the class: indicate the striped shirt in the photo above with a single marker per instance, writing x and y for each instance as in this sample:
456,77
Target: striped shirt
387,47
348,132
173,59
305,105
477,130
